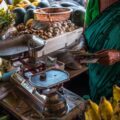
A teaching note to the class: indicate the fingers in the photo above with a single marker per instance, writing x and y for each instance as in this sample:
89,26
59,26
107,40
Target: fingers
102,55
101,51
106,61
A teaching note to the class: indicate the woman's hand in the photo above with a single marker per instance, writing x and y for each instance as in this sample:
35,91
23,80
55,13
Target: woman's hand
108,57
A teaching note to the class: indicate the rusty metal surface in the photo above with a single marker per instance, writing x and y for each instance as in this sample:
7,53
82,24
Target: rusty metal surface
19,44
52,14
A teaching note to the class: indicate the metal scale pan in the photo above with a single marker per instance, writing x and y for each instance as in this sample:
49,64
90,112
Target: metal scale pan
52,77
19,44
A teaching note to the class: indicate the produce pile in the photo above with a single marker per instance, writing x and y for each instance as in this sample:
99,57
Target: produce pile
49,31
6,19
107,110
22,11
21,3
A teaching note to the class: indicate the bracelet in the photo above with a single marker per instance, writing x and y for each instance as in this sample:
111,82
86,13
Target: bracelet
118,56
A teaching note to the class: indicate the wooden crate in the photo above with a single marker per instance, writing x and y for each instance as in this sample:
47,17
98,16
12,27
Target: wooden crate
60,42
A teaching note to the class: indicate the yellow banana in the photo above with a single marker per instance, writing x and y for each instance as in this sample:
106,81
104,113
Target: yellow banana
15,2
22,5
11,7
116,114
113,102
105,109
29,22
35,3
91,112
25,2
116,93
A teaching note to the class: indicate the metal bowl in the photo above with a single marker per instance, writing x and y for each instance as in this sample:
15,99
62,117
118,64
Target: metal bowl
52,14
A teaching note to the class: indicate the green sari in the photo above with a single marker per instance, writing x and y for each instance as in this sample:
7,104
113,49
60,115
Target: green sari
92,11
104,33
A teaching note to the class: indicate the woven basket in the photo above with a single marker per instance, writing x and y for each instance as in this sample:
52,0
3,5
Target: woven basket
52,14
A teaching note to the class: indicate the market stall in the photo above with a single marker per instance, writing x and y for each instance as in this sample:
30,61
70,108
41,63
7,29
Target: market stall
36,38
44,53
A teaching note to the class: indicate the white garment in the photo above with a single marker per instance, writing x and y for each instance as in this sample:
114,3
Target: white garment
3,5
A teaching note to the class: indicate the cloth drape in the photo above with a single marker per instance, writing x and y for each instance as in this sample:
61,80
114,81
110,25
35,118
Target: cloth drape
104,33
92,11
94,8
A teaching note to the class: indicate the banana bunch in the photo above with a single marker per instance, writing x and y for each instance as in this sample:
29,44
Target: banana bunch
116,113
92,112
106,110
25,3
11,7
116,93
35,2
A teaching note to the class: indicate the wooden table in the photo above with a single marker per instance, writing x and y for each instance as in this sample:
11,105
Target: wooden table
25,112
22,108
74,73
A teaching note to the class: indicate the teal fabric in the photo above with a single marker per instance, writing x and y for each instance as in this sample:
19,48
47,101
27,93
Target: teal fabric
104,33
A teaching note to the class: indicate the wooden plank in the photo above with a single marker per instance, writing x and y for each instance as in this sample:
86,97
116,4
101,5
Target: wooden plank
74,73
16,104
